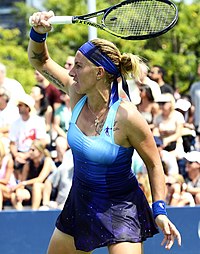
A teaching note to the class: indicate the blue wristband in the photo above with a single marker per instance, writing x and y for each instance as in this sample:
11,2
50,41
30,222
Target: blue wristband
37,37
159,207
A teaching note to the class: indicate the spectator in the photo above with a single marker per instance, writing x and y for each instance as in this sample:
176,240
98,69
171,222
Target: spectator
53,94
195,98
61,146
144,184
23,131
177,194
7,179
62,116
157,73
144,79
188,133
147,107
193,171
59,182
14,88
8,114
69,63
43,109
35,172
169,125
168,159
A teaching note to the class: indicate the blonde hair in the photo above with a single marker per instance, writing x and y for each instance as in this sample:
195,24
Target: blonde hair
2,150
41,147
144,183
172,100
126,63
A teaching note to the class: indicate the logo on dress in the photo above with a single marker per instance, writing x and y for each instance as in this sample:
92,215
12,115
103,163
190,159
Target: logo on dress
107,131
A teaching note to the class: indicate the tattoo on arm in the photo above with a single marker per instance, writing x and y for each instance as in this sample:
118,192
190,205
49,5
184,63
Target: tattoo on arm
52,79
39,56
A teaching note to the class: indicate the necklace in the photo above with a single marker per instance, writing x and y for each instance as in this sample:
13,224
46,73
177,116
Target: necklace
96,121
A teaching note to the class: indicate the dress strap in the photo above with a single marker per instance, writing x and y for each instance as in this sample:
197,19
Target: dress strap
77,109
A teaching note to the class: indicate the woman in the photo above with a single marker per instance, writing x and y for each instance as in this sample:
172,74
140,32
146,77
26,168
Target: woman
7,178
42,107
105,206
169,125
147,107
34,173
62,116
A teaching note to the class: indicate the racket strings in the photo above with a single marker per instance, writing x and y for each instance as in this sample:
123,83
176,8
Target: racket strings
140,18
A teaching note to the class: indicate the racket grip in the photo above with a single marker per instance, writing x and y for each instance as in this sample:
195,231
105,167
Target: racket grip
56,20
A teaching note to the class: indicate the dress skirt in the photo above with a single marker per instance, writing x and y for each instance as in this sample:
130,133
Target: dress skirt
96,219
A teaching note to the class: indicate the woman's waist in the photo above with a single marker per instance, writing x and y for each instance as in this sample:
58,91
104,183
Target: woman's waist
106,182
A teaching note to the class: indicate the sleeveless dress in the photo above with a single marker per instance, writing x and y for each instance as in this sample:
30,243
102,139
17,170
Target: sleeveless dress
105,204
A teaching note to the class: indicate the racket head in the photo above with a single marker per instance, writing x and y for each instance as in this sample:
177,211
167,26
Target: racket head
140,19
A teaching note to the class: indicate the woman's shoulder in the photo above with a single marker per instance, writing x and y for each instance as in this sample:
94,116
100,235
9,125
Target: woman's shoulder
129,114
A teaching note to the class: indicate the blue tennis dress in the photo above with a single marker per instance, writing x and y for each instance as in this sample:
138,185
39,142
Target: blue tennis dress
105,204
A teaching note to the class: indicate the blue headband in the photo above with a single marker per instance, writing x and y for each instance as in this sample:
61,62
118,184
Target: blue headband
92,53
97,57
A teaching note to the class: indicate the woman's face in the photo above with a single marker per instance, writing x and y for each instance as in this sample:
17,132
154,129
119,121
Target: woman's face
34,152
166,107
36,93
84,74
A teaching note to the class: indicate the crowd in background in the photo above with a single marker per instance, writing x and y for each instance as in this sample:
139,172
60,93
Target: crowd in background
36,164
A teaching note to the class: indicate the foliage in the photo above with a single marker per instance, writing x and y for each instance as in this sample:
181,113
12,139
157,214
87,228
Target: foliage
178,51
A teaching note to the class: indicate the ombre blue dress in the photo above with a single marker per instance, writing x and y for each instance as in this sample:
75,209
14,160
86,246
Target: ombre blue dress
105,204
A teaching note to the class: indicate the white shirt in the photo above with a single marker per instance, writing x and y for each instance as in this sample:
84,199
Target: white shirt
24,132
8,115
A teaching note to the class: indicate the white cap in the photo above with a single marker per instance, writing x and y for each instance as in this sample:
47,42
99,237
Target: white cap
28,100
193,156
183,105
164,97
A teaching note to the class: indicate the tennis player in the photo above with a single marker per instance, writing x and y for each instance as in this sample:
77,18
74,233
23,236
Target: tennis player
105,206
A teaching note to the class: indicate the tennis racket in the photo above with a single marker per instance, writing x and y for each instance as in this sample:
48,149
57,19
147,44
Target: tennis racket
129,20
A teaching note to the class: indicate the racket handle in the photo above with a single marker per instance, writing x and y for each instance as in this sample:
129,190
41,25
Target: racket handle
56,20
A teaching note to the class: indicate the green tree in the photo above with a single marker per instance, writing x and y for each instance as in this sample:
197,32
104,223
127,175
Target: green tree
178,51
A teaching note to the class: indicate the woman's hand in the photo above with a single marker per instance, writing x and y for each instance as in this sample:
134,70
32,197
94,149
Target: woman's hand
40,22
169,230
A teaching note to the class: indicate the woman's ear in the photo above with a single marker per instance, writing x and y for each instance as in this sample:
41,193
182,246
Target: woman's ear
100,72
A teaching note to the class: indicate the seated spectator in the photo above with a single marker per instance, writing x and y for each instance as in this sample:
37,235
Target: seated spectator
42,107
8,114
168,159
23,131
35,172
144,184
7,179
147,107
177,194
58,182
188,133
53,94
168,125
61,146
62,116
193,174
